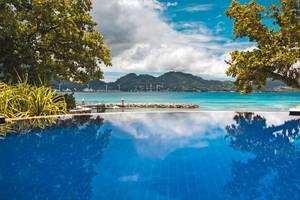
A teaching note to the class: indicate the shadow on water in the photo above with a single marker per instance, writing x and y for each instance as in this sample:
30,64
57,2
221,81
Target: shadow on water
273,172
57,163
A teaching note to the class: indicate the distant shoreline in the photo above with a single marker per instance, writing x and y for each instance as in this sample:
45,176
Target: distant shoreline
261,101
170,81
236,92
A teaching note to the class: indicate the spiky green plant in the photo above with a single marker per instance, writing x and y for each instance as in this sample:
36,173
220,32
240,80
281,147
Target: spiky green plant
43,101
25,100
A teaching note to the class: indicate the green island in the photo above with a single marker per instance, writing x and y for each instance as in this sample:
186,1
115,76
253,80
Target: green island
170,81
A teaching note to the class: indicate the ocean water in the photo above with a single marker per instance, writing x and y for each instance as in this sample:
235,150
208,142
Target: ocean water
222,101
155,156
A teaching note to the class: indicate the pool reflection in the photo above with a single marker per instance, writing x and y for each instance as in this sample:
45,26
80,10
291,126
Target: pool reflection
161,156
54,164
273,172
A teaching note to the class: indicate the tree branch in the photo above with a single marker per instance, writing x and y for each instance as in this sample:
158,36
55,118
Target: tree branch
288,81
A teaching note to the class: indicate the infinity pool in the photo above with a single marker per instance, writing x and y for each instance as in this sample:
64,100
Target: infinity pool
155,156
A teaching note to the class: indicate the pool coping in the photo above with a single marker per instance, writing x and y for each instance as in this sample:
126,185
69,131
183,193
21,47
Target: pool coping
147,112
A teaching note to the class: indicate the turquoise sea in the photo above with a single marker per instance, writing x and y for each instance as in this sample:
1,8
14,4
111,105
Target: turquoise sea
221,101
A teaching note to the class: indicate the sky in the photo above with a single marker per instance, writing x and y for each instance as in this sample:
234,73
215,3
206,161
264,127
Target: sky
157,36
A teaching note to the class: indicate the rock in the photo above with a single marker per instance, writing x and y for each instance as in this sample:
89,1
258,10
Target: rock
154,106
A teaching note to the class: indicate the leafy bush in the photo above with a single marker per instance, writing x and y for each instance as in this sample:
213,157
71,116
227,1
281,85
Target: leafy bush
25,100
70,100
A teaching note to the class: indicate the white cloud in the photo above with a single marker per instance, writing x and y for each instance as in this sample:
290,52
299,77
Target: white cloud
220,27
153,4
193,27
218,16
171,4
197,8
142,41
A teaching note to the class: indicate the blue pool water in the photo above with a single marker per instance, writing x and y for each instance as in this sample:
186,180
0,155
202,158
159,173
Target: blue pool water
224,101
155,156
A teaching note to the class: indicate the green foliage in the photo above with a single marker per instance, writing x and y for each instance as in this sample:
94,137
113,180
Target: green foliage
70,100
277,55
25,125
24,100
50,39
43,101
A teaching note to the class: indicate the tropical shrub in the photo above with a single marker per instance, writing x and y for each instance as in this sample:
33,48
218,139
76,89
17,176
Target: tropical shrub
70,101
25,100
43,101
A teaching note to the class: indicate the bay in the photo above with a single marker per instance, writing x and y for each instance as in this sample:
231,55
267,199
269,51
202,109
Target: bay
214,101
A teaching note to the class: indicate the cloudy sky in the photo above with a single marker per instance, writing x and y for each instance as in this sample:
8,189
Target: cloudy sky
156,36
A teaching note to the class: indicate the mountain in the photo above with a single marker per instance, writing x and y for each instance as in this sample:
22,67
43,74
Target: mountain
170,81
179,81
133,82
